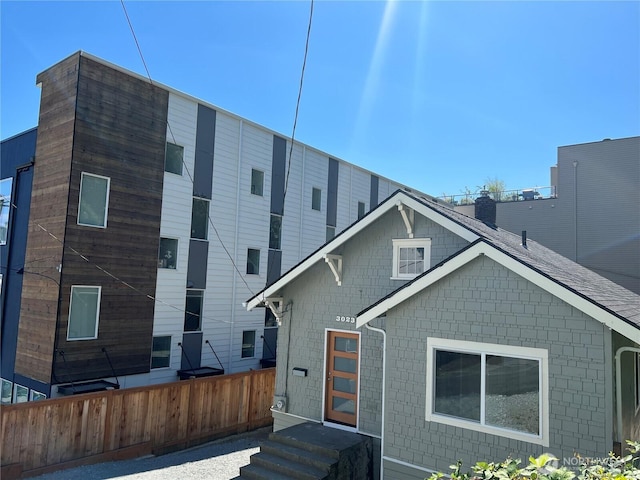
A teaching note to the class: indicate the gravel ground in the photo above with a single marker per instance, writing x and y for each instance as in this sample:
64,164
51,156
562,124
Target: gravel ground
219,460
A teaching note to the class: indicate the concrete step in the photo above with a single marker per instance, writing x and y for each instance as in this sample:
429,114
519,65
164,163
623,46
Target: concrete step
257,472
298,454
319,448
287,467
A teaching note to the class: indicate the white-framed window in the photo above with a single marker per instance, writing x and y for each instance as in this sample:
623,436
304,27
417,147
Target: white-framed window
161,351
33,396
93,203
275,232
257,182
248,343
496,389
168,253
20,394
84,312
5,208
7,392
193,311
253,261
316,198
411,257
173,158
200,218
330,233
361,208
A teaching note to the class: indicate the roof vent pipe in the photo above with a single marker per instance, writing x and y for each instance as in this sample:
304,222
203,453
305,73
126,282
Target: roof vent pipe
524,238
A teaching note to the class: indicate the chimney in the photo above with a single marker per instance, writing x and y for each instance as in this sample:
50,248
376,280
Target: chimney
485,209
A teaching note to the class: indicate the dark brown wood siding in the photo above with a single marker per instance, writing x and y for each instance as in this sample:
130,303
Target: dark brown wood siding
49,198
120,133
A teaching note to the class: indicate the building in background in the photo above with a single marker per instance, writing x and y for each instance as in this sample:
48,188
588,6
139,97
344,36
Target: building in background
592,214
153,215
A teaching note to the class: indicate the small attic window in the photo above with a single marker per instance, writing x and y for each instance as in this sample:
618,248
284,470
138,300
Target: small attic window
411,257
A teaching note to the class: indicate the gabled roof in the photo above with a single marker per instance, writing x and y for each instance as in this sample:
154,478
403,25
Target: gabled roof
600,298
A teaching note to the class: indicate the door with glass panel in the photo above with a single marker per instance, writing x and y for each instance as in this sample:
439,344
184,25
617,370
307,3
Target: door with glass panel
341,390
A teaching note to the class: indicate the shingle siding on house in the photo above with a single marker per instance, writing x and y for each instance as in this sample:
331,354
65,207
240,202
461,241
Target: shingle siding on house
484,302
317,300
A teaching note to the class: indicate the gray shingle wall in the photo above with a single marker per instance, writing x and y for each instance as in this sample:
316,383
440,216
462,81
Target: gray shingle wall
317,300
484,302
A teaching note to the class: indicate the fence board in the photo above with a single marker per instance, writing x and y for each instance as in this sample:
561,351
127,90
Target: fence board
37,436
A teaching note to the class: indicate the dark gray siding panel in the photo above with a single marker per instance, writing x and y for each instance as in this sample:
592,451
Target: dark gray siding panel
274,266
191,350
332,193
205,138
373,193
278,174
197,267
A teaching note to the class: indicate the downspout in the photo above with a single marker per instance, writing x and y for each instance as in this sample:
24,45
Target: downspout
619,353
384,374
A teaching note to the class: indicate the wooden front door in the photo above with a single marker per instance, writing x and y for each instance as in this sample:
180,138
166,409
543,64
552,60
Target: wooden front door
341,391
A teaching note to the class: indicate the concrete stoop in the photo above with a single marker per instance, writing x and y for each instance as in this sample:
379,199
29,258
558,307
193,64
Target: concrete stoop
310,451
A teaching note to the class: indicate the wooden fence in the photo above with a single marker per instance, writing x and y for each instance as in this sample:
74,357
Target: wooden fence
46,435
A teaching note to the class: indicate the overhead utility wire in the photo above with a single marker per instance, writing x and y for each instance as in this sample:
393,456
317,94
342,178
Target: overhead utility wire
183,161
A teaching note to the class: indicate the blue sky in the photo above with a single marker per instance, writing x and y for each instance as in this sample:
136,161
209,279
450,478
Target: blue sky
438,95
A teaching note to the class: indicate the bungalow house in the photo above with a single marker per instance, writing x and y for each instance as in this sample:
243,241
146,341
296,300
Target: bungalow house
443,337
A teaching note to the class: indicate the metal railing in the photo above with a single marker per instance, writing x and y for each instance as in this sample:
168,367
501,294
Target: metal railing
526,194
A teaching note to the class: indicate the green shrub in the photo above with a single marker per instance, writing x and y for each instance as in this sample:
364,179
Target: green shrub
547,467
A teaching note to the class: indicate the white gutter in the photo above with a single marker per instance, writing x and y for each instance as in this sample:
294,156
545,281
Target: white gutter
619,353
384,374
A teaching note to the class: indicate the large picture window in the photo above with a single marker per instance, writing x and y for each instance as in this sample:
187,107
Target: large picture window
94,200
411,257
84,311
490,388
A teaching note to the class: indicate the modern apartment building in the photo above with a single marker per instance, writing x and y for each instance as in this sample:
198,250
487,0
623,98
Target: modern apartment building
152,216
593,215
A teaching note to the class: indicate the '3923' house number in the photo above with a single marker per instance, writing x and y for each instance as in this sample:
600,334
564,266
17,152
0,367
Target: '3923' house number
344,319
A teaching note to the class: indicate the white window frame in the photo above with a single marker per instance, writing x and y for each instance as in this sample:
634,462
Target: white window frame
253,172
35,396
477,348
16,387
170,351
399,243
97,320
106,200
10,383
242,345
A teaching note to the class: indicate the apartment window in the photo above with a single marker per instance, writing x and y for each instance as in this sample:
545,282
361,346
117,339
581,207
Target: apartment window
173,158
490,388
275,231
167,253
20,394
200,218
34,396
94,200
7,392
361,211
331,232
248,343
84,312
316,198
5,208
193,311
161,352
411,257
253,261
257,181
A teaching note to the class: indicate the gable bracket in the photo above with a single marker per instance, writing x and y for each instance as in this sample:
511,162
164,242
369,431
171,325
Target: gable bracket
275,305
335,264
408,217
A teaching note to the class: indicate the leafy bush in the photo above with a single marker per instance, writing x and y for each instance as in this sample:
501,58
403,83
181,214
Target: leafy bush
546,467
